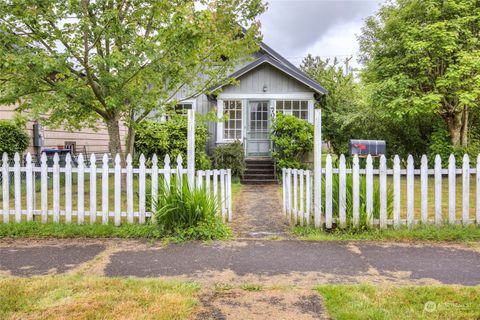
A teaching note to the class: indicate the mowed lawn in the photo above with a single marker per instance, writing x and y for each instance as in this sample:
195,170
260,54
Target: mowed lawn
76,297
345,302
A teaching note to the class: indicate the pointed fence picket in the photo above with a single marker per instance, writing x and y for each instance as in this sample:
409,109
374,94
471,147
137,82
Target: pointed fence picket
61,186
369,196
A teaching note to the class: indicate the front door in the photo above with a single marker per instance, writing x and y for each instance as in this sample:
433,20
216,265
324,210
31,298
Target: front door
258,129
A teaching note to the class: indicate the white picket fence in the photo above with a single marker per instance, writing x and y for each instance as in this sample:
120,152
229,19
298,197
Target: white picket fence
216,182
299,206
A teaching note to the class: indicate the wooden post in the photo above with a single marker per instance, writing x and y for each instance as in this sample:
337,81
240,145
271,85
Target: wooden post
6,188
328,192
154,176
68,188
451,189
44,187
466,189
129,189
396,191
117,191
356,191
410,191
191,148
317,165
29,186
80,190
383,192
424,189
56,189
369,190
342,191
438,190
17,181
141,190
93,188
105,212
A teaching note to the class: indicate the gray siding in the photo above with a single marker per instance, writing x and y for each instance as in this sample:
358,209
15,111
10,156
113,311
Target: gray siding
276,81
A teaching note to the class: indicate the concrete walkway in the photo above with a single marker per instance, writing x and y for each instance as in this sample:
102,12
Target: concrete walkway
258,212
286,262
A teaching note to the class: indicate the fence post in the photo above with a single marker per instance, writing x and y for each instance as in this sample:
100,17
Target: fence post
424,189
167,172
477,218
208,176
451,189
369,191
438,190
68,188
117,191
5,188
356,190
302,199
199,179
308,188
328,192
18,194
410,191
229,194
105,168
44,187
56,189
80,190
129,186
396,191
222,193
215,187
284,190
466,189
154,196
141,190
383,192
342,191
191,148
289,195
317,174
29,186
295,195
93,188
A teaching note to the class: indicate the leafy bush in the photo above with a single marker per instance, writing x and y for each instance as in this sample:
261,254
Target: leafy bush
170,137
292,139
188,214
230,156
13,137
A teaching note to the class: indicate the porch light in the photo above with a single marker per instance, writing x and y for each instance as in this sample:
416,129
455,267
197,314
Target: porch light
265,88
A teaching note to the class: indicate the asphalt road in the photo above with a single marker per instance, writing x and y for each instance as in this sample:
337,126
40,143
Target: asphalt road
286,261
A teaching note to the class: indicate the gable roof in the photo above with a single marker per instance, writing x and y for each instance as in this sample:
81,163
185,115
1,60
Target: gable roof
274,59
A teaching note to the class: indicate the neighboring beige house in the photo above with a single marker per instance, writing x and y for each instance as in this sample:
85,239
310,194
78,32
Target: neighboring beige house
81,141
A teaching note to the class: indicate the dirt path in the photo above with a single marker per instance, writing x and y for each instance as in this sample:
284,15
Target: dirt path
258,213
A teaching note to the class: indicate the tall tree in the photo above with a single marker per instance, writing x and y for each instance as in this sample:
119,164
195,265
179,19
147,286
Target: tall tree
422,57
342,105
73,63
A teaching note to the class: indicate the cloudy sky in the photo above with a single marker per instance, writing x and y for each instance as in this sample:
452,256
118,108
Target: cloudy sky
326,28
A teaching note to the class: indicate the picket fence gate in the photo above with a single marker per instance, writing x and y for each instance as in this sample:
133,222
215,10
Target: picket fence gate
216,182
298,203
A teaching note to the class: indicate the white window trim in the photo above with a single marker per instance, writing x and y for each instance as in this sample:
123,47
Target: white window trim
267,96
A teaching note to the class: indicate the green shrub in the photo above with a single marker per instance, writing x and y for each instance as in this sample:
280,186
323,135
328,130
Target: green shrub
13,137
188,214
230,156
292,139
170,137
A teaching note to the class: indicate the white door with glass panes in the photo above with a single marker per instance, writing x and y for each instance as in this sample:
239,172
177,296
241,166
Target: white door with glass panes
258,142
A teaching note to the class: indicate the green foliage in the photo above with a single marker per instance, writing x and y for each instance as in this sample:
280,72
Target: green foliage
292,139
13,137
422,59
188,214
170,137
342,115
230,156
75,63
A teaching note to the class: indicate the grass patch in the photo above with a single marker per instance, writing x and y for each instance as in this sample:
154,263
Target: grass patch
251,287
385,302
427,233
128,231
74,297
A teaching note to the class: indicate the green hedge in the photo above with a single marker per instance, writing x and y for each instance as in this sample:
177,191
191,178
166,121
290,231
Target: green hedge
13,137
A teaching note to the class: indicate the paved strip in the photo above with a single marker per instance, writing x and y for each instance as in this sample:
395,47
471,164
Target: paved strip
310,262
43,260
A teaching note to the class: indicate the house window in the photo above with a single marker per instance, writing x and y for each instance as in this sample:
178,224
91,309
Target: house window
297,108
233,124
181,108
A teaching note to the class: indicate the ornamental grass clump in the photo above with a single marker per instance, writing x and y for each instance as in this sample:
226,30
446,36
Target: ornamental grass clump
188,214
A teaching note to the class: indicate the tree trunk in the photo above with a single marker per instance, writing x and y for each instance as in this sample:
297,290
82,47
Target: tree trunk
455,125
115,143
130,140
464,131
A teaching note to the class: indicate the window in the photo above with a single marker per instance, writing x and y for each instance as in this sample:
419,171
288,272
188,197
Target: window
181,108
233,124
297,108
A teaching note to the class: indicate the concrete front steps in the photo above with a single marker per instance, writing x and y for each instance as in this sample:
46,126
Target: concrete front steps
259,171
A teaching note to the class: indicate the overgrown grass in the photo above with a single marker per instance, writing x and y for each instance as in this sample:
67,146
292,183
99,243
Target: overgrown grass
386,302
426,233
75,297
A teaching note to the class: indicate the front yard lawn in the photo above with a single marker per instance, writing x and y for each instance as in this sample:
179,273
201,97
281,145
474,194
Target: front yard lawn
388,302
75,297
